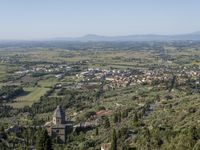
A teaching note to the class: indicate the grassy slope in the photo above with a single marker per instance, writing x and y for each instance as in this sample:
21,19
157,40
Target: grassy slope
34,93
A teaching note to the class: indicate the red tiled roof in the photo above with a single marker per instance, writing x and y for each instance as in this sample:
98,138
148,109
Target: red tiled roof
103,113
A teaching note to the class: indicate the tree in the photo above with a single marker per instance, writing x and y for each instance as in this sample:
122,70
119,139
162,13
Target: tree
20,147
197,146
97,131
3,133
107,122
89,114
114,141
115,119
173,82
120,116
125,113
147,138
4,146
135,119
185,142
43,141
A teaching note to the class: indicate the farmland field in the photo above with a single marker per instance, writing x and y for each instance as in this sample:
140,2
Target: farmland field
33,95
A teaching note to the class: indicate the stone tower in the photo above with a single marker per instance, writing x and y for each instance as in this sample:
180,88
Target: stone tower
59,116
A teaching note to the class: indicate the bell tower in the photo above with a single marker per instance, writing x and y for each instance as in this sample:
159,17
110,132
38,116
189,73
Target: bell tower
59,116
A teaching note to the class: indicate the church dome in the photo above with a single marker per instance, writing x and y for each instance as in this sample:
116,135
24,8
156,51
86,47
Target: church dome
59,114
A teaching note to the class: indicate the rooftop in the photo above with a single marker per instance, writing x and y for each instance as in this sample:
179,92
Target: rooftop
59,113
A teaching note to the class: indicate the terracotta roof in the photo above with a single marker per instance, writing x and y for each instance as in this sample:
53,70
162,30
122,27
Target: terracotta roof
104,113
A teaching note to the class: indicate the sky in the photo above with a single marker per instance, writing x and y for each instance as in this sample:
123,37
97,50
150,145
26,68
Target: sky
38,19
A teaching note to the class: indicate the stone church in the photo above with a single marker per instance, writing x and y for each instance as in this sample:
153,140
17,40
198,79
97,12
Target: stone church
59,127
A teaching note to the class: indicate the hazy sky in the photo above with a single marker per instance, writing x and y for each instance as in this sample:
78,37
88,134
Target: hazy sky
30,19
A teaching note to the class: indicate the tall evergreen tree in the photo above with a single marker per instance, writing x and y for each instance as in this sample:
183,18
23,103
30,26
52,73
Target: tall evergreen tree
114,140
97,131
107,122
115,119
43,141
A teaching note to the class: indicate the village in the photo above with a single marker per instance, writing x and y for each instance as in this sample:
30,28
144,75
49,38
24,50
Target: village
123,78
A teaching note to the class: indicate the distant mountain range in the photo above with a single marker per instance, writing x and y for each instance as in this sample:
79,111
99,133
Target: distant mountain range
146,37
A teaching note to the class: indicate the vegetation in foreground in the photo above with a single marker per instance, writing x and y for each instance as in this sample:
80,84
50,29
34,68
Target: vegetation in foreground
146,96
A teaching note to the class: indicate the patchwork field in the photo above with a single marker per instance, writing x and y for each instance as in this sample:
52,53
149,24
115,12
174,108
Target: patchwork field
33,95
48,82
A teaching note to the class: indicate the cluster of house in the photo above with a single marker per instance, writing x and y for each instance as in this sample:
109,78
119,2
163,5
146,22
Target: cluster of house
50,68
94,76
118,78
7,59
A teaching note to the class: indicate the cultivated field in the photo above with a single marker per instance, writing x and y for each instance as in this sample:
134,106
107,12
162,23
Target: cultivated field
33,95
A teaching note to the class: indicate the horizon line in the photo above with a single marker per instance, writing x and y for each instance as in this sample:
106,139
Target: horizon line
94,34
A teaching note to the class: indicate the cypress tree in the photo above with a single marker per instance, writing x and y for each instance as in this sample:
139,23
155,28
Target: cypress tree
43,141
97,131
114,141
107,122
115,119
